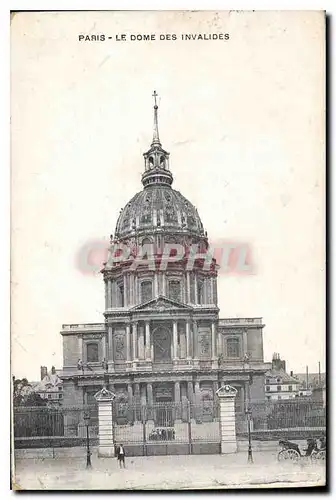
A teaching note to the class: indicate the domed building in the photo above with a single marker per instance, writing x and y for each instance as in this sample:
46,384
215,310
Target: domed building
161,340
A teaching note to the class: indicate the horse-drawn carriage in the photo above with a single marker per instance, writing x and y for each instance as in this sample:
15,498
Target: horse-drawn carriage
314,452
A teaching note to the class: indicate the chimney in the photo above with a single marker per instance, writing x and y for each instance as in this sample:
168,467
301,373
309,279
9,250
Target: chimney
53,371
44,372
291,373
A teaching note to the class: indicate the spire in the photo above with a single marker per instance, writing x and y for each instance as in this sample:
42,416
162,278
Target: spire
156,158
156,139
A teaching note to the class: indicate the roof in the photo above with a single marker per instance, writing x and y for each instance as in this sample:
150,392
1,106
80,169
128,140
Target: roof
281,374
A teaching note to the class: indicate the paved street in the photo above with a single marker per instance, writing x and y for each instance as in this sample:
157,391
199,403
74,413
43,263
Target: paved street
164,473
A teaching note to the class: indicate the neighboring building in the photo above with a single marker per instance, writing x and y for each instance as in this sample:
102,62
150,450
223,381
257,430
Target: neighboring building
161,339
50,386
278,384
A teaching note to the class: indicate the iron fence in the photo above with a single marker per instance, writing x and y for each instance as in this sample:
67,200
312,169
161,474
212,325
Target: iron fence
167,422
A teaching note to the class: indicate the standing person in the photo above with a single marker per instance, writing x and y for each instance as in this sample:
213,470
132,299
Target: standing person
120,452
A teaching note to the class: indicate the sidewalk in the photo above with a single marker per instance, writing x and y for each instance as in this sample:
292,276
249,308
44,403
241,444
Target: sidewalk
167,472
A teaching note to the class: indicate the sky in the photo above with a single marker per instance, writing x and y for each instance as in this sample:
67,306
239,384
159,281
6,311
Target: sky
243,120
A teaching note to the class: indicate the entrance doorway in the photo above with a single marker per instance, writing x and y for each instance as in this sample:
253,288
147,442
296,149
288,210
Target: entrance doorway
163,396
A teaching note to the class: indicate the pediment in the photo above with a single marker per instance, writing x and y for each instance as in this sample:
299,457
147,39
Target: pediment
161,304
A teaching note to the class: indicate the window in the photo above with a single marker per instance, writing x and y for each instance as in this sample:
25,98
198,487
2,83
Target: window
233,347
174,290
278,388
120,300
60,396
267,381
200,292
267,387
60,387
290,387
268,398
146,218
49,396
146,291
279,397
278,379
92,352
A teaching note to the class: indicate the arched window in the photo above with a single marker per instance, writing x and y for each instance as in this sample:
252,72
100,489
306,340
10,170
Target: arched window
92,352
146,291
200,288
233,347
120,294
174,290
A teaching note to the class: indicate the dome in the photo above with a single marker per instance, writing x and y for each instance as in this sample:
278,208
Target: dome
158,208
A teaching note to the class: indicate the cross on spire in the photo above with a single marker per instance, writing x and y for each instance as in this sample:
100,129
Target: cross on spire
155,95
156,139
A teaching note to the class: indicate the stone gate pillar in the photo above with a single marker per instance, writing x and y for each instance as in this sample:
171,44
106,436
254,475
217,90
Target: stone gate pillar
104,399
227,418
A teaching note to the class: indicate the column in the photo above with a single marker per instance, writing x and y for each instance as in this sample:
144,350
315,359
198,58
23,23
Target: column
163,284
188,340
156,285
136,291
148,346
220,346
106,294
195,285
114,294
190,393
130,394
135,340
150,413
109,294
177,393
128,344
188,287
104,399
137,402
244,342
110,344
104,353
211,291
183,343
227,419
174,340
213,340
149,394
131,289
177,400
125,291
141,343
195,350
198,399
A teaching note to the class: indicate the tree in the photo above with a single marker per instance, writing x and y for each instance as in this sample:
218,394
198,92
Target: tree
23,394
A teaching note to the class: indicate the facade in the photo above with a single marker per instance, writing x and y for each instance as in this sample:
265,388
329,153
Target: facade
50,387
278,384
161,339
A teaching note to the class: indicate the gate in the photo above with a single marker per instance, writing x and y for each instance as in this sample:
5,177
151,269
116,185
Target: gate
168,428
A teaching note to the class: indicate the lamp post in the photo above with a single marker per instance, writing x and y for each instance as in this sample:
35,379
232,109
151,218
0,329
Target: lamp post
88,452
249,452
